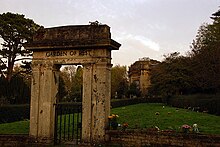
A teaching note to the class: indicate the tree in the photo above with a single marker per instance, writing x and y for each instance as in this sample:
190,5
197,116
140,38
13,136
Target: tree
68,76
62,91
205,54
66,81
133,90
18,90
15,30
199,72
77,85
119,82
172,76
122,89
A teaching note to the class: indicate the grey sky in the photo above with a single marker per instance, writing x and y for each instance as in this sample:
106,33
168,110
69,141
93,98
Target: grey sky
145,28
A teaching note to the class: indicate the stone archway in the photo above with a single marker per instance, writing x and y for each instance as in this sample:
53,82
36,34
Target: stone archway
88,45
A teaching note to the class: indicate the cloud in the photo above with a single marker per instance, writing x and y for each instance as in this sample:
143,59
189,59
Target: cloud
134,47
138,41
147,42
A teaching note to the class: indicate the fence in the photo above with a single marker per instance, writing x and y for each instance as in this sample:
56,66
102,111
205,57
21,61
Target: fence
68,123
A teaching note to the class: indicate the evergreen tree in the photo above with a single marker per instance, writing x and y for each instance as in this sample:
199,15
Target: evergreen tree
15,30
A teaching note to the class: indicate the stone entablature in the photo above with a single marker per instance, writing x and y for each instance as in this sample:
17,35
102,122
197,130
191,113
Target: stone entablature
77,37
139,73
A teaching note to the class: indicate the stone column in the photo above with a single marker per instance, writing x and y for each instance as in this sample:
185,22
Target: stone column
96,102
100,101
44,90
86,103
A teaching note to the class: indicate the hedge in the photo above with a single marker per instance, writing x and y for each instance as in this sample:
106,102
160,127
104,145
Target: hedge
200,102
11,113
124,102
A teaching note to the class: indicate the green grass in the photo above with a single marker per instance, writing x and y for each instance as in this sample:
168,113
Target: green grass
22,127
19,127
70,124
143,116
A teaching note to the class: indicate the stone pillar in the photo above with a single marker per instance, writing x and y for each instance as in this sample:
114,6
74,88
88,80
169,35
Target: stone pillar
44,89
86,103
96,102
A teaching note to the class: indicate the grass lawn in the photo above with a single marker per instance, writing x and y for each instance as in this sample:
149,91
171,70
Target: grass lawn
19,127
143,116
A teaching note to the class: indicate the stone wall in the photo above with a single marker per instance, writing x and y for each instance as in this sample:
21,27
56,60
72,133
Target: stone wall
138,138
22,140
128,138
16,140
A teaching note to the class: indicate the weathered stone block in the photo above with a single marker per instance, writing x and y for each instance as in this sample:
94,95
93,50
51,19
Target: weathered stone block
77,37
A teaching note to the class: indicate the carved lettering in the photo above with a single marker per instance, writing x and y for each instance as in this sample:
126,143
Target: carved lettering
72,53
67,53
82,52
56,53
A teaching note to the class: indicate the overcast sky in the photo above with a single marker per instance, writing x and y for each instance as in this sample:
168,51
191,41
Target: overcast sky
145,28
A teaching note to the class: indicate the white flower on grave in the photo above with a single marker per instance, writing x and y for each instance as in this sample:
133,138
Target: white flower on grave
158,129
195,128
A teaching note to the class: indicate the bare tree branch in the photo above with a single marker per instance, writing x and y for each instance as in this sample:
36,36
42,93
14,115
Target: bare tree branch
23,59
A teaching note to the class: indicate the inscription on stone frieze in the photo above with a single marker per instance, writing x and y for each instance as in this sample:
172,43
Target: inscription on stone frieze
67,53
